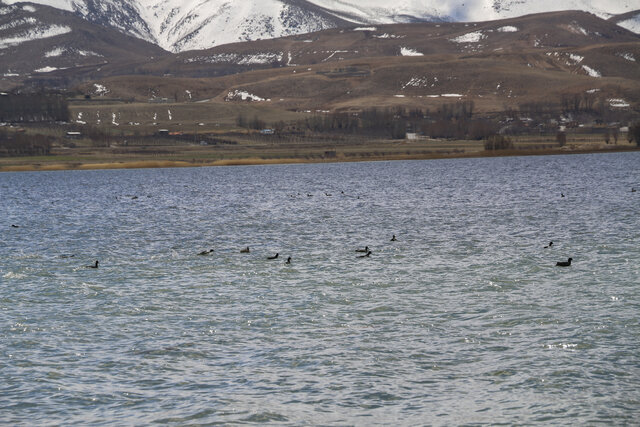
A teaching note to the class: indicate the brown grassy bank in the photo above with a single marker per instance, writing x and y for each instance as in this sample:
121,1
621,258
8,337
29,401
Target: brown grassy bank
83,159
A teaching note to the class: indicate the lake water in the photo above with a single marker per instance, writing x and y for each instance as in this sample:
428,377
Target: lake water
464,319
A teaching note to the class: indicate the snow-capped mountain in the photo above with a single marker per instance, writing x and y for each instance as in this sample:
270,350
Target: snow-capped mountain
38,40
179,25
630,21
381,11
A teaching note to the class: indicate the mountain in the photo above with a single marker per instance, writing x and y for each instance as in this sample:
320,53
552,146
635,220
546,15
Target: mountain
630,21
496,64
180,25
36,41
385,12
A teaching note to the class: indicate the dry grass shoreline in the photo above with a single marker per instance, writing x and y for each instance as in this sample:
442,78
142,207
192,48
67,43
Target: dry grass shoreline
23,164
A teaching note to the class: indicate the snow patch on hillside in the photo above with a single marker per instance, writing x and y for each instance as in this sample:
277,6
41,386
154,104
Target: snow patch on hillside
242,95
237,58
508,29
46,69
6,10
88,53
618,103
575,28
19,23
388,36
416,82
334,53
576,58
474,37
590,71
58,51
628,57
100,90
34,34
405,51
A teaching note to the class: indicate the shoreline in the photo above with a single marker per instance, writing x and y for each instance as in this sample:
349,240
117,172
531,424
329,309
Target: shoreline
253,161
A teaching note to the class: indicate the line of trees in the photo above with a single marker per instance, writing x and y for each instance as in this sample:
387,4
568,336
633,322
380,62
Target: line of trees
459,121
447,121
634,133
19,144
33,107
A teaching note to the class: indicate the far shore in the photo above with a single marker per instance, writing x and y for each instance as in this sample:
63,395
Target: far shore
22,164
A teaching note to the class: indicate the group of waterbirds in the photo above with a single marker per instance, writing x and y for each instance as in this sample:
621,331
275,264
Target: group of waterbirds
288,261
366,251
246,250
566,263
342,193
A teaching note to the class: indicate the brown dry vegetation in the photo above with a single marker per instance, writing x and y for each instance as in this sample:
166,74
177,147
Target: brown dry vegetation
255,149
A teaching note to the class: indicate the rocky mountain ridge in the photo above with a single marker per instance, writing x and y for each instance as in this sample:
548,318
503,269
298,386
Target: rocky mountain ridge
179,25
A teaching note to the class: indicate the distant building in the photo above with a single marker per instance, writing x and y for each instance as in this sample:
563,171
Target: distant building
161,100
267,132
73,135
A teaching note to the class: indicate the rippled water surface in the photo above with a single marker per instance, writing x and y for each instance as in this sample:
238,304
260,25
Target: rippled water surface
464,319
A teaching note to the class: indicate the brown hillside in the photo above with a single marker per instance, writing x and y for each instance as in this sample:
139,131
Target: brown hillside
497,65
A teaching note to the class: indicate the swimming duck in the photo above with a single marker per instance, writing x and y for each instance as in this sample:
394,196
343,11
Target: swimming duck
564,263
245,250
273,257
288,261
365,250
549,245
92,266
206,252
367,255
393,239
15,226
